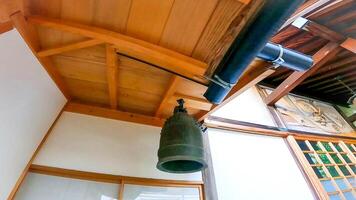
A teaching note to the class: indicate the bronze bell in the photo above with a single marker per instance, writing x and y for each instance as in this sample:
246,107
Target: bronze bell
181,147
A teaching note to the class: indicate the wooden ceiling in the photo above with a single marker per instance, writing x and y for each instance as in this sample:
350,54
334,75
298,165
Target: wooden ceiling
120,54
333,22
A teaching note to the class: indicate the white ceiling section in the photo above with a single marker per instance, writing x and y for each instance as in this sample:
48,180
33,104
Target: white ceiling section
29,103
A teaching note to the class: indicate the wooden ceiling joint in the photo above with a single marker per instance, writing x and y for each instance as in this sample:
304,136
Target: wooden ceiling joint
5,27
112,65
167,95
167,59
69,47
30,36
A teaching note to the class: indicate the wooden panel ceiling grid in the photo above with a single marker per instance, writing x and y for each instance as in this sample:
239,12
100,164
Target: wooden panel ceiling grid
189,27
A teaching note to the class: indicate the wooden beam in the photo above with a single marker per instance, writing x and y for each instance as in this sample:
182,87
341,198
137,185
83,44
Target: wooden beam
349,44
320,58
26,170
9,7
167,95
5,27
69,47
112,70
306,9
191,102
257,71
113,114
29,34
151,53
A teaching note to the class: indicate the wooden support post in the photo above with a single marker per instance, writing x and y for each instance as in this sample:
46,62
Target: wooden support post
29,34
112,70
320,58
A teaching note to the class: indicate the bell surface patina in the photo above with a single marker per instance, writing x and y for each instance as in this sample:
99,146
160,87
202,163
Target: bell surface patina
181,147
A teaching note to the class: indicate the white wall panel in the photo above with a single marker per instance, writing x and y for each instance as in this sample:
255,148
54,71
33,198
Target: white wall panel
254,167
247,107
29,104
95,144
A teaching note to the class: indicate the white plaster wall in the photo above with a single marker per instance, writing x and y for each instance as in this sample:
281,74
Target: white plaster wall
88,143
255,167
247,107
29,104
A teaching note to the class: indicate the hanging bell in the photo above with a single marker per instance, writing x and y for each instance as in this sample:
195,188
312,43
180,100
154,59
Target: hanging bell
181,147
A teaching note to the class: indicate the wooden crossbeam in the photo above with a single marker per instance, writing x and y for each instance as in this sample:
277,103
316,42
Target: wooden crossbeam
112,70
167,95
113,114
142,50
349,44
326,33
320,58
29,34
257,71
5,27
69,47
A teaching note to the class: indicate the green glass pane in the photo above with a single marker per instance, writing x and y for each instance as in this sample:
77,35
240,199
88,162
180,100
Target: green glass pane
302,145
311,158
344,170
319,172
350,147
324,159
346,158
353,167
315,146
336,158
327,146
337,146
333,171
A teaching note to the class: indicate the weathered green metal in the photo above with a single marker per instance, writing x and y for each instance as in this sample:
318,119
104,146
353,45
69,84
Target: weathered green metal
181,147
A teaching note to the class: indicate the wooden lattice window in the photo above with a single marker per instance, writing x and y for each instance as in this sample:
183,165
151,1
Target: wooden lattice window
329,165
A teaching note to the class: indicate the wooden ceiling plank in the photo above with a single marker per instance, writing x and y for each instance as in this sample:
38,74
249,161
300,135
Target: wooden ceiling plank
147,19
165,58
167,95
112,71
69,47
320,58
349,44
29,35
113,114
257,71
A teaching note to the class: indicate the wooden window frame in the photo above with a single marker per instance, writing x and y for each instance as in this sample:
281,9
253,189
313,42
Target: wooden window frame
279,121
116,179
307,168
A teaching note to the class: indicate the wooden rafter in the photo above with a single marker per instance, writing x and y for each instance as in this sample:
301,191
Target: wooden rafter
69,47
142,50
326,33
112,70
113,114
29,34
167,95
320,58
257,71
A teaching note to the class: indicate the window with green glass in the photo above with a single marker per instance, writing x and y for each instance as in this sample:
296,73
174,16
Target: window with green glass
334,165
